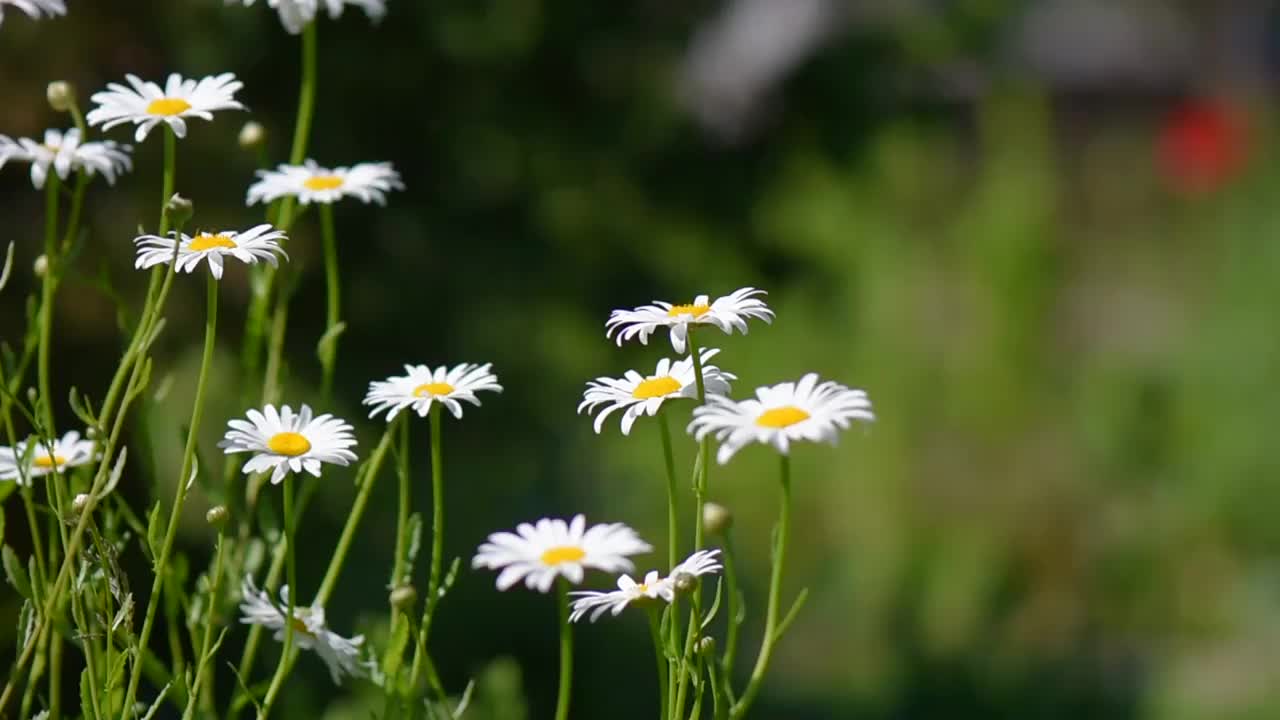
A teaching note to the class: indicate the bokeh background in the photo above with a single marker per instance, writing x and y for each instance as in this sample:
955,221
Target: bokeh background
1041,233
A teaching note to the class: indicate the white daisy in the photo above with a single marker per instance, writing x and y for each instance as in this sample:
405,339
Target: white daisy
653,588
289,442
295,15
423,386
35,9
539,553
310,632
727,313
68,451
807,410
370,182
261,242
147,104
64,152
642,395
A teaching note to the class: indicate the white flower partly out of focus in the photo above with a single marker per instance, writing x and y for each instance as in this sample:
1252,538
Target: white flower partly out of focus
64,153
289,442
728,313
639,395
369,182
778,415
552,548
258,243
68,451
310,632
422,386
295,15
35,9
653,587
146,104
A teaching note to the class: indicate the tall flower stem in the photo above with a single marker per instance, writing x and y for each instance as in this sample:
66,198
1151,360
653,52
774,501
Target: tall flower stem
673,522
291,572
210,612
180,492
660,655
333,291
771,629
398,574
47,289
566,650
437,544
699,532
732,611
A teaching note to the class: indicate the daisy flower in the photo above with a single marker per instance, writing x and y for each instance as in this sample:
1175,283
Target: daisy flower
653,588
727,313
807,410
539,553
370,182
295,15
146,104
64,152
289,442
423,386
35,9
639,395
310,632
68,451
261,242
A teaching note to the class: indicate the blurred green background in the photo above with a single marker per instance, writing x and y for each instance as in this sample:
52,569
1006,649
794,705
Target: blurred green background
1042,235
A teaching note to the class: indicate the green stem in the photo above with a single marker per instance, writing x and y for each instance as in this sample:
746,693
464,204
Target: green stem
655,632
673,523
48,287
437,522
333,291
566,650
732,610
775,596
699,531
398,574
73,219
291,571
210,612
180,493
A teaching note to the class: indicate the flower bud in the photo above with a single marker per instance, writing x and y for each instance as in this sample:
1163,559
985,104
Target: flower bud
60,95
217,516
684,583
80,502
252,135
403,598
178,210
716,518
41,265
707,646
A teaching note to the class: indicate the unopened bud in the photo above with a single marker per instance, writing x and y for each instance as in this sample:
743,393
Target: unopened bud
60,95
404,598
178,210
716,518
707,645
684,583
252,135
40,266
33,395
217,515
80,502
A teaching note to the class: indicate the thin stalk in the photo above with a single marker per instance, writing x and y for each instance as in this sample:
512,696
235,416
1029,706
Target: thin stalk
732,610
566,650
48,287
673,523
73,219
699,532
180,492
660,655
291,571
398,574
333,293
201,659
437,543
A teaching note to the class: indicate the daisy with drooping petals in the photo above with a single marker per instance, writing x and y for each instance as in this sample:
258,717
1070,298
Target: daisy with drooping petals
68,451
369,182
728,313
552,548
146,104
422,386
639,395
310,632
295,15
64,152
261,242
778,415
289,442
35,9
654,587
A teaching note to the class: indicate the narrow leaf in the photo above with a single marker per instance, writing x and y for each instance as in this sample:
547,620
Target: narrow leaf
15,573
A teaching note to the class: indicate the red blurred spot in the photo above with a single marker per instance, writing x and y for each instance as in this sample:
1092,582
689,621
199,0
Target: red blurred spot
1202,146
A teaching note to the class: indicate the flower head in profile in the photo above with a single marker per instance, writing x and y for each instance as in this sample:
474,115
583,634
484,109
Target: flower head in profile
64,152
146,104
778,415
652,589
552,548
369,182
639,395
295,15
286,442
35,9
420,387
261,242
310,632
728,313
68,451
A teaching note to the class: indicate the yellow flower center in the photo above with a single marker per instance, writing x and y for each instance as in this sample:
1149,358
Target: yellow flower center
432,389
288,443
45,462
300,627
323,182
168,106
656,387
205,241
782,417
563,554
694,310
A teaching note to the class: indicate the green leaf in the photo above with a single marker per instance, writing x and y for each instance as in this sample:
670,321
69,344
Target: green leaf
394,655
8,266
415,541
329,339
26,625
155,533
155,706
15,573
86,695
6,490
